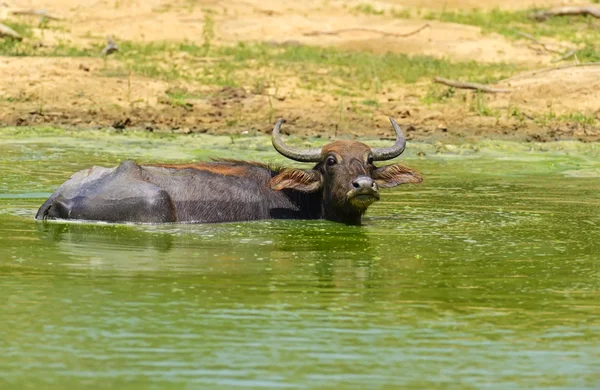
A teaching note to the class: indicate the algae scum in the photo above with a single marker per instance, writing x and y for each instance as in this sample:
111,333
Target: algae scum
484,276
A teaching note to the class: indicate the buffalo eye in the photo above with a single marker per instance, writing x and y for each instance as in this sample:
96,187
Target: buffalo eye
331,161
370,159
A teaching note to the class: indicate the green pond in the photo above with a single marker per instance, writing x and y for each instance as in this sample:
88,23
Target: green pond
486,276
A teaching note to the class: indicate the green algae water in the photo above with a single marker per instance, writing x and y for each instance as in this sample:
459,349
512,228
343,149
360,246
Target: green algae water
486,276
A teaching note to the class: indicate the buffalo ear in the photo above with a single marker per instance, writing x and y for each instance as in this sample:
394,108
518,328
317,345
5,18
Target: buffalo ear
297,179
393,175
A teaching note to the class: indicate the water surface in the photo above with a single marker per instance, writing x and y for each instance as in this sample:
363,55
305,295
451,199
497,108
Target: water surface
485,276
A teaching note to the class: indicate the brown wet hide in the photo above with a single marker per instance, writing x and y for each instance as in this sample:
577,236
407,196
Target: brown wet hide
343,163
226,167
297,179
343,166
339,188
347,149
218,169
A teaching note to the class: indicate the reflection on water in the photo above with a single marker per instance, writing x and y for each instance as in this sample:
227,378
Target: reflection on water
485,276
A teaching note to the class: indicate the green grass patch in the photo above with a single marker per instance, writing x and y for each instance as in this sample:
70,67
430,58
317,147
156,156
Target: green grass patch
508,23
28,48
579,117
572,117
401,14
347,72
589,53
8,99
369,70
367,9
370,102
582,31
496,20
24,30
438,94
8,45
177,97
480,106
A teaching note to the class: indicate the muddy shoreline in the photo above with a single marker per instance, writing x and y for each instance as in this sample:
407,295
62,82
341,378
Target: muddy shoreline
299,123
330,69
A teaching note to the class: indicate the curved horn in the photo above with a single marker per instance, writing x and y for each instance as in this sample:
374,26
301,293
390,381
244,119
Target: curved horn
381,154
310,155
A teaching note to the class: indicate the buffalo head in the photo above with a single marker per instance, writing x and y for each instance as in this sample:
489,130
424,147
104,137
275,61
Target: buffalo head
345,174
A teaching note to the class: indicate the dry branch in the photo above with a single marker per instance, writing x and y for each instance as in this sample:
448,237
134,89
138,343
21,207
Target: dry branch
467,85
6,31
567,55
36,12
542,44
544,70
567,11
384,33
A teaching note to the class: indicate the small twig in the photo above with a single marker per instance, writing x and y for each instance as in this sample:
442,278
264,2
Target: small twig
384,33
6,31
526,115
543,45
544,70
36,12
562,58
567,11
466,85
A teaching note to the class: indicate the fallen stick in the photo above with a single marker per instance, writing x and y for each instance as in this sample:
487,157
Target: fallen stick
544,70
542,44
567,11
561,58
384,33
6,31
466,85
36,12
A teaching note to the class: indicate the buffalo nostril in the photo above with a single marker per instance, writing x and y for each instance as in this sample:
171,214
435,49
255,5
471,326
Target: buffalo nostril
364,183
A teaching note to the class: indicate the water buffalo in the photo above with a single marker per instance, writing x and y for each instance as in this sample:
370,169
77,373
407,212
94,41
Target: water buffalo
340,187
